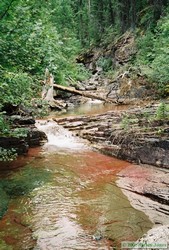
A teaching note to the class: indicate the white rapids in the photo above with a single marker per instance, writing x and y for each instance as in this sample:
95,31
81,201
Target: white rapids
59,137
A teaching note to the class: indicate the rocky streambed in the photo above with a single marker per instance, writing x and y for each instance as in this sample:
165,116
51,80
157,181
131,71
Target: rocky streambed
137,135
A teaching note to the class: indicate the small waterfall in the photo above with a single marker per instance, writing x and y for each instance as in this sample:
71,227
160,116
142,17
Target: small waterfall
59,137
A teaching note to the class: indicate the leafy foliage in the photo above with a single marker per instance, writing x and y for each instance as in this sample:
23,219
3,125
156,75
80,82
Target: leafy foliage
46,34
154,54
4,125
7,154
31,42
105,63
162,111
35,35
15,87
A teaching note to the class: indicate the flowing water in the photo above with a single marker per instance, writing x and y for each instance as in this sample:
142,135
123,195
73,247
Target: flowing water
65,197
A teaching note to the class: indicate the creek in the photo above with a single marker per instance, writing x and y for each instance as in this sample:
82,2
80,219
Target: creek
64,196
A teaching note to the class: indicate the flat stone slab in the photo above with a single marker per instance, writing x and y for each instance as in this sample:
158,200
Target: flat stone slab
147,188
156,238
138,140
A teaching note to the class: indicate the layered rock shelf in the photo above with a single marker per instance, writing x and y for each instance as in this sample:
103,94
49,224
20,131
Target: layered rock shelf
135,135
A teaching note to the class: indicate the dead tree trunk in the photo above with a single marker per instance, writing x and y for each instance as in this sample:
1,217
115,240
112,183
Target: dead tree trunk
82,93
48,92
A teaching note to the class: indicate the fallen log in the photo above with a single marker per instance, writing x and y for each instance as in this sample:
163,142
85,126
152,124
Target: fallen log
82,93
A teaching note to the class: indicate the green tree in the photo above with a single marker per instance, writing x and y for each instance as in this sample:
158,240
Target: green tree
154,54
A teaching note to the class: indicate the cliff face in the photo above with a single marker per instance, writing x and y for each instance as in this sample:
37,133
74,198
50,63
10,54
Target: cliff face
113,68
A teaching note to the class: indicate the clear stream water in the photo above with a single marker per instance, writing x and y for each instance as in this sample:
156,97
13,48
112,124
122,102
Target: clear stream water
64,196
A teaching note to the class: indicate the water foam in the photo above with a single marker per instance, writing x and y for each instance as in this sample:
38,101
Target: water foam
59,136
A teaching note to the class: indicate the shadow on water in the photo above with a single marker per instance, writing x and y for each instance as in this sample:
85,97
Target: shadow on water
67,198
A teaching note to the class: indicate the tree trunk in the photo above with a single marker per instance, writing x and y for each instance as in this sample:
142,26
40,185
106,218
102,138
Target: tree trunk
82,93
48,92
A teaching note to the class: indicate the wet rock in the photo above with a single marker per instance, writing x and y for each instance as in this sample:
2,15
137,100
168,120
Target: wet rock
147,188
156,238
19,144
137,139
11,109
153,154
36,137
97,237
21,120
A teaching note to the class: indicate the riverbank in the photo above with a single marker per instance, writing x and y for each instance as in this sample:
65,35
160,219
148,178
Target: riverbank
23,136
66,197
137,135
146,187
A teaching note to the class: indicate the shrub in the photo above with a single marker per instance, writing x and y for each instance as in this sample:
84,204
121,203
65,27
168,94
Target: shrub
7,154
162,111
15,88
153,52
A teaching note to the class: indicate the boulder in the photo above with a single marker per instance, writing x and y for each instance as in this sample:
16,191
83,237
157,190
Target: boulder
19,144
35,137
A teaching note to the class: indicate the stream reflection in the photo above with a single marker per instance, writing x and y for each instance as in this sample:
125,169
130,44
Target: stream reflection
91,108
